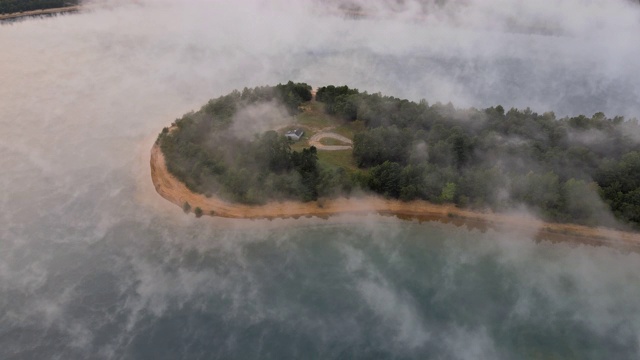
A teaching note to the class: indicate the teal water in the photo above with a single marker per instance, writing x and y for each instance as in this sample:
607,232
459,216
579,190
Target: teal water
368,287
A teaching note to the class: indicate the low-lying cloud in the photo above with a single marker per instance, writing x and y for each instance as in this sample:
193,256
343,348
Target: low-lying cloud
87,244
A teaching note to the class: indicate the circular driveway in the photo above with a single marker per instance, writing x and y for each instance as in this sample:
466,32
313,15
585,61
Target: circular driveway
315,141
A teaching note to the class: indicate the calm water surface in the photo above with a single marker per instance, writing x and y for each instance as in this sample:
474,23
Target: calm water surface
95,265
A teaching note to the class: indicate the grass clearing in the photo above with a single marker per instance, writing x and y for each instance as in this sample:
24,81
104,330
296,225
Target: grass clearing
339,158
350,128
298,146
331,141
315,117
316,121
312,120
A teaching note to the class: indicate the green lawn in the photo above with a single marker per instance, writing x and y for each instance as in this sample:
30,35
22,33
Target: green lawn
341,158
350,128
300,144
331,141
314,117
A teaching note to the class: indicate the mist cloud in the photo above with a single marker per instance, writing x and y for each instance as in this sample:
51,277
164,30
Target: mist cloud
86,242
256,119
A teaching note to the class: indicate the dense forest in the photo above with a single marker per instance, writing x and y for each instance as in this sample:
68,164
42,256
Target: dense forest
209,157
573,169
495,158
14,6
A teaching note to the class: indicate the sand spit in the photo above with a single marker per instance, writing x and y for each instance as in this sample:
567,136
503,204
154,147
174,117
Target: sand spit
176,192
61,10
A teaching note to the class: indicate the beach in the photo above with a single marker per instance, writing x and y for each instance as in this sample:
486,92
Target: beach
170,188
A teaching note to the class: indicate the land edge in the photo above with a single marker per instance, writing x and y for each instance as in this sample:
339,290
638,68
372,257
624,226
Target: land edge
173,190
60,10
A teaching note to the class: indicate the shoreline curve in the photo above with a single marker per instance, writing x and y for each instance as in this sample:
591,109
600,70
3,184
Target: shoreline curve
51,11
173,190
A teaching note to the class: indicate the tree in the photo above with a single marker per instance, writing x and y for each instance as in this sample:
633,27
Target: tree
385,179
275,151
540,191
581,201
462,149
306,163
374,147
619,183
448,192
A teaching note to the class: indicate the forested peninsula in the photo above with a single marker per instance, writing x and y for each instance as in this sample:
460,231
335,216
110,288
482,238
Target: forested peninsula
577,170
13,10
17,6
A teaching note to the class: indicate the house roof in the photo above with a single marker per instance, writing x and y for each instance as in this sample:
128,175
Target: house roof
296,132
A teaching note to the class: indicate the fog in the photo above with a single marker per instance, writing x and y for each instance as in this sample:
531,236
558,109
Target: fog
92,260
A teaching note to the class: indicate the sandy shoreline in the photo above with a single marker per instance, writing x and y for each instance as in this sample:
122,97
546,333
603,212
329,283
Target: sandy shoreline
176,192
62,10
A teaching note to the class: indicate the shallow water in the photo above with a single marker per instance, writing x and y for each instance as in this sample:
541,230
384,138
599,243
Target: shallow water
94,264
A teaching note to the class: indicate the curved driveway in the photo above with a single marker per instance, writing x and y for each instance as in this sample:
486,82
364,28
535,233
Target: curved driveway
315,141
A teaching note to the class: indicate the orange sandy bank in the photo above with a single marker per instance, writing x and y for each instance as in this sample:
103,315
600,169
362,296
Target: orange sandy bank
176,192
61,10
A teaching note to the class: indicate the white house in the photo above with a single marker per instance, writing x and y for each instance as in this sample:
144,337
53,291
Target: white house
294,135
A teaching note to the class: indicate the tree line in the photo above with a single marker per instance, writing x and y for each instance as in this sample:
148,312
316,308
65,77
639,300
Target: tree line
15,6
571,169
574,169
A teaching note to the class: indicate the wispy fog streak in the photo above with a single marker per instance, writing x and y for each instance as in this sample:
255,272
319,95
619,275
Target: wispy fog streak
86,244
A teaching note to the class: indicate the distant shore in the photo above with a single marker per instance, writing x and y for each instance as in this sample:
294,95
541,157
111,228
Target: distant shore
176,192
66,9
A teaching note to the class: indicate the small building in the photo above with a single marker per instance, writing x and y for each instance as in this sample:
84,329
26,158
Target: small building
294,135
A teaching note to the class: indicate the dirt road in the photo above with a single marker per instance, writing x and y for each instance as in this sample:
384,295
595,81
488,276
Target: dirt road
315,141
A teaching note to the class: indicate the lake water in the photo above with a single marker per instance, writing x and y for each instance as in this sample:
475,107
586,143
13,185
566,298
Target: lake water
352,287
94,264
